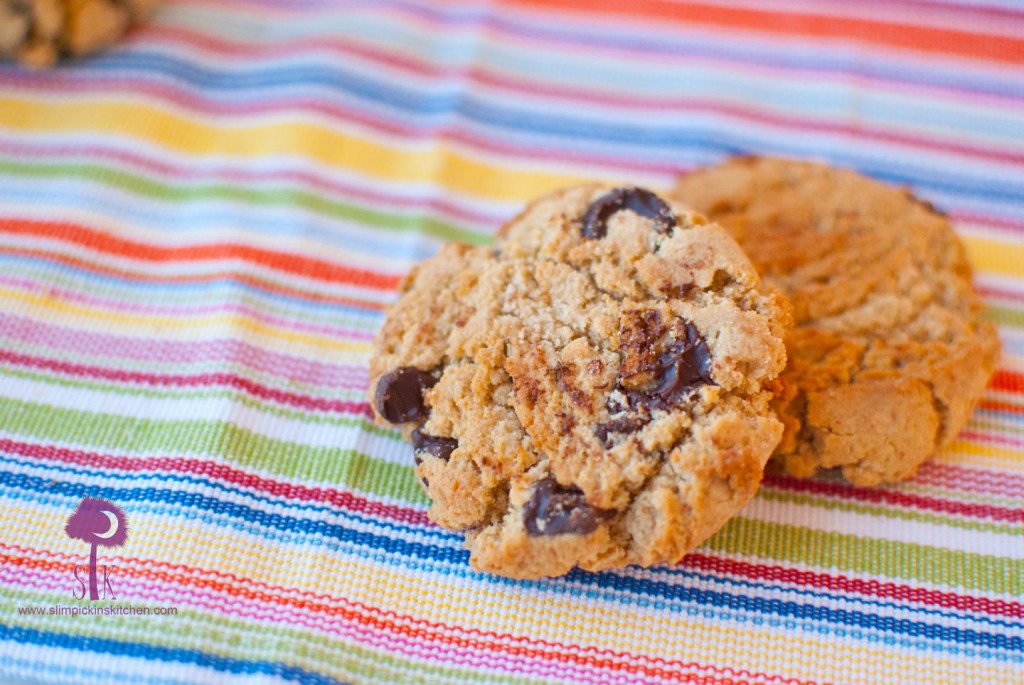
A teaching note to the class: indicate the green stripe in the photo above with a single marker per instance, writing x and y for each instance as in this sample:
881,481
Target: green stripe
335,466
892,512
239,639
260,197
1004,316
875,556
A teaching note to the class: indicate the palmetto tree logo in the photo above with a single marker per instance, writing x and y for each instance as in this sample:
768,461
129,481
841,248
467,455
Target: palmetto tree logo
101,524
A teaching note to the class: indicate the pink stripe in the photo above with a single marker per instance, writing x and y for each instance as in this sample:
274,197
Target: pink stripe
1001,293
953,477
230,380
156,350
184,312
895,497
992,438
972,9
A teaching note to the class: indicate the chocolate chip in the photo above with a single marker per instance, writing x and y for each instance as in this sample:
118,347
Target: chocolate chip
425,444
556,509
663,362
643,202
624,424
684,366
399,394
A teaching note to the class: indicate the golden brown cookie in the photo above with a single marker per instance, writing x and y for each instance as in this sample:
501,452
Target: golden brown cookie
594,391
890,352
37,32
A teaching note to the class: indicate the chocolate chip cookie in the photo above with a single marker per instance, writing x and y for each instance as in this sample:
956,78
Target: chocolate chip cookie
593,391
37,32
890,351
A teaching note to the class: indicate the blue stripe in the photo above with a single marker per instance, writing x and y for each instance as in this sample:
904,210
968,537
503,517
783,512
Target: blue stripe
86,643
781,608
60,672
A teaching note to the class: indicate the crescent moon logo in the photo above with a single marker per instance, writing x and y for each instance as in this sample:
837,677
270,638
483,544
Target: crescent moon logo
113,525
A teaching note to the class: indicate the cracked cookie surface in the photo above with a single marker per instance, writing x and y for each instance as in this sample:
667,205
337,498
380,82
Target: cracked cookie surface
594,391
889,352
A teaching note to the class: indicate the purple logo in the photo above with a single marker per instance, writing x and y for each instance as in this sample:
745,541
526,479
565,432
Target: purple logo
101,524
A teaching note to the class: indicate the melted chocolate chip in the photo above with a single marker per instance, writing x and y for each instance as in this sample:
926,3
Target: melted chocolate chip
684,366
662,364
556,509
643,202
624,424
425,444
399,394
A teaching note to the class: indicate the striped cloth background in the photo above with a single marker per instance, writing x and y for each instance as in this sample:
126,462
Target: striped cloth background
199,231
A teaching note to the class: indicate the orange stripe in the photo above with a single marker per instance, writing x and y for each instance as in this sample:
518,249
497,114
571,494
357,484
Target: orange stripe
819,26
281,261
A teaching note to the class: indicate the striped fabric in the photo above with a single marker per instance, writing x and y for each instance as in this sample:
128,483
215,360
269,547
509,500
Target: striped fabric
199,231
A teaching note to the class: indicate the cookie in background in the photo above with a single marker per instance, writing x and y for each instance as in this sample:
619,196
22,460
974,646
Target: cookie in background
890,351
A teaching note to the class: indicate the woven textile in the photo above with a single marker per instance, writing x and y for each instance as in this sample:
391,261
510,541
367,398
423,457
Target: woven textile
200,229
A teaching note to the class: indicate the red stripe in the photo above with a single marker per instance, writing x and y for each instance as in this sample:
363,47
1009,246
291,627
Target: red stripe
351,502
191,381
1012,381
817,27
281,261
895,497
993,405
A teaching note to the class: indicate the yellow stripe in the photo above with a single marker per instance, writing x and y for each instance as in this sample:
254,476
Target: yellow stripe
495,607
995,256
431,163
982,454
59,311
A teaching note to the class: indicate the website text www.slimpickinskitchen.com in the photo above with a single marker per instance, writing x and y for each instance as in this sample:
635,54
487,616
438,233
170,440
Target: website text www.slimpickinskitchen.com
75,610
